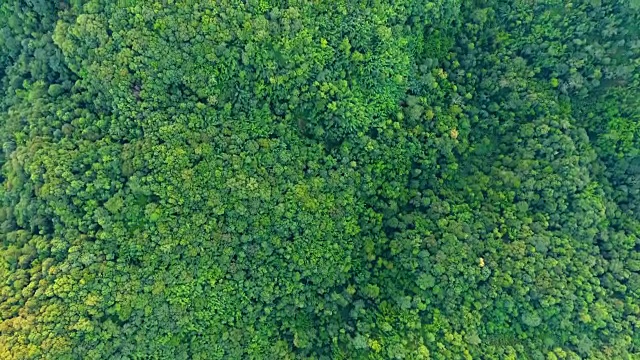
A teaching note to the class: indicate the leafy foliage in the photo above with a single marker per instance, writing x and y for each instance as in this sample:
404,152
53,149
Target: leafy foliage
320,180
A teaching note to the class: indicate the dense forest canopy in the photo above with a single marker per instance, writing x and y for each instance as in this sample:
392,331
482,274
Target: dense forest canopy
348,179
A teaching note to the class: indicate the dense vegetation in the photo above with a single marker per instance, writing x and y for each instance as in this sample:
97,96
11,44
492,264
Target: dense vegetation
272,179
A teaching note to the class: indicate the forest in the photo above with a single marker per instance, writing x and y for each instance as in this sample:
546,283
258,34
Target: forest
320,179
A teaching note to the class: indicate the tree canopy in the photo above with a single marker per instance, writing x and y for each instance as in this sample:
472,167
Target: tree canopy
297,179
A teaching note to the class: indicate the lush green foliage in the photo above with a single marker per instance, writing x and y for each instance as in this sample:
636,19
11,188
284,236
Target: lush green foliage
271,179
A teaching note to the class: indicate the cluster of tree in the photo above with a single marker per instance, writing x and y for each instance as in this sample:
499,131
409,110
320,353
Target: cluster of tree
248,179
